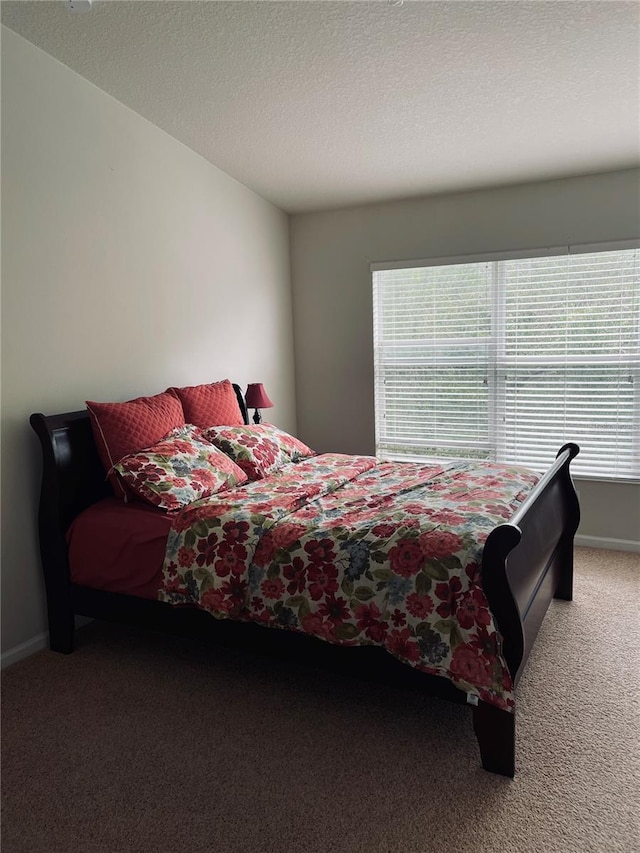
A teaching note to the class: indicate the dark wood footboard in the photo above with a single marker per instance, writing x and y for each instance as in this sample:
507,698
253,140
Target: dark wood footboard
526,562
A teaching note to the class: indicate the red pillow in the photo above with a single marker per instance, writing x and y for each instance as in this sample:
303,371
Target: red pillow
210,405
120,429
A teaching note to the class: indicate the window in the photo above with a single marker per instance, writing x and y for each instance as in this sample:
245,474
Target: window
508,359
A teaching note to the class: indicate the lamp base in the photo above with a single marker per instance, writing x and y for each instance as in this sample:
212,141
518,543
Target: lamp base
257,417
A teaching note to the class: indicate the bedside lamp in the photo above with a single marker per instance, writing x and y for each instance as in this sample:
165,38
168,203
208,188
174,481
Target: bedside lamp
256,398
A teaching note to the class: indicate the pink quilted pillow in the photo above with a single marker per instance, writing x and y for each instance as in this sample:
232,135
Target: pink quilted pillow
259,450
209,405
181,468
123,428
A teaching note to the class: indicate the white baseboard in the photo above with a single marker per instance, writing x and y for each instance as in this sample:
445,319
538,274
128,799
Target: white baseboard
610,544
24,650
35,644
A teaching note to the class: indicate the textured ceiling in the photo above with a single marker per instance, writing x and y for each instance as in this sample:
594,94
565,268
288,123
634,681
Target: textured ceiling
325,104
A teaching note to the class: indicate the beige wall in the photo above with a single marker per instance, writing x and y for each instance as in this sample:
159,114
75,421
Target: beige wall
331,253
128,264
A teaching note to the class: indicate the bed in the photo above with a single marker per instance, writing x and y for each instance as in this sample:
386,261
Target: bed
524,561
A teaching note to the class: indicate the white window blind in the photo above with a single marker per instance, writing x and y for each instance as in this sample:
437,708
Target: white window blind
508,359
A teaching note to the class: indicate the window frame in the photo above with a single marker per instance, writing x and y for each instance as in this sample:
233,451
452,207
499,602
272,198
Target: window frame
496,364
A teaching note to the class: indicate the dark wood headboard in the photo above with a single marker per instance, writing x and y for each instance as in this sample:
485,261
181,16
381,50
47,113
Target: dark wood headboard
72,479
72,475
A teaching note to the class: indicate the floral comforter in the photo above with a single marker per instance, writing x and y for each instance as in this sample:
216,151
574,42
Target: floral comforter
357,551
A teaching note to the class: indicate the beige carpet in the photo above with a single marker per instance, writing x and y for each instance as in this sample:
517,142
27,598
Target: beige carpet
139,742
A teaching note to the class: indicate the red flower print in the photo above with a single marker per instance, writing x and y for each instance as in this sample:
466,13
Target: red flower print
489,480
473,571
249,469
230,558
367,615
265,550
235,590
280,536
202,476
469,665
189,516
439,543
174,583
235,531
261,507
272,588
294,572
448,593
257,603
503,512
406,558
445,517
368,514
186,557
398,618
482,494
284,535
414,508
154,474
400,643
314,624
384,530
322,581
364,483
419,606
307,514
471,610
181,446
378,632
248,441
335,609
368,620
207,550
270,452
320,550
485,642
213,600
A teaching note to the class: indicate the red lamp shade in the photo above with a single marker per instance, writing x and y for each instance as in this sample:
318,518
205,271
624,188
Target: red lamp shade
256,397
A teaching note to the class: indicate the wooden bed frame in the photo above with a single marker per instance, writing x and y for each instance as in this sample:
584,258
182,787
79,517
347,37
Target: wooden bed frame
526,563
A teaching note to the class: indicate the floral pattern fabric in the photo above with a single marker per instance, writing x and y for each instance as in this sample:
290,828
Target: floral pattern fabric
178,470
358,552
259,449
